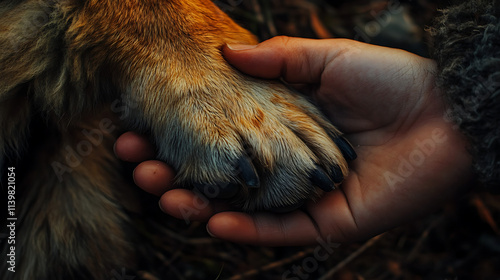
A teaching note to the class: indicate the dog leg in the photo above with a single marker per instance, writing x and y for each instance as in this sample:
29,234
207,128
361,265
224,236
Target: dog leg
71,218
255,142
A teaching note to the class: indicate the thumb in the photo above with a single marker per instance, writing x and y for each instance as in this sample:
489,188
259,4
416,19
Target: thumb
296,60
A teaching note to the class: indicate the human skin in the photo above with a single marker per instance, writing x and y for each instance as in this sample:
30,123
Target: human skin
411,158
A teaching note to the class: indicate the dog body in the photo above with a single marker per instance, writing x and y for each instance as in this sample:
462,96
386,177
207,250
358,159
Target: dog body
80,70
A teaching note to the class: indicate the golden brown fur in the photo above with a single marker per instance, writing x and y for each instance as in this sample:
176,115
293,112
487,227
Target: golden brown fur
67,64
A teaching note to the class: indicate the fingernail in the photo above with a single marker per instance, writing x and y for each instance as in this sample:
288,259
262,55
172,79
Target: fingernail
211,234
133,177
159,205
240,47
114,149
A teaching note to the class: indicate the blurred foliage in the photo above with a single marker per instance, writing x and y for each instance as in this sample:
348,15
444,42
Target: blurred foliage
461,241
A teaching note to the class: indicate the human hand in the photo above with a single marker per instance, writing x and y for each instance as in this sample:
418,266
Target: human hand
410,158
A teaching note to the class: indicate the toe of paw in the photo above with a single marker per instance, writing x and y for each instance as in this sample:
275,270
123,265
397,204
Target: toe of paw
345,147
320,179
247,172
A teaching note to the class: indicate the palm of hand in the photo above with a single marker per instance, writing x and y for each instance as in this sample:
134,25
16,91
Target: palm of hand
389,108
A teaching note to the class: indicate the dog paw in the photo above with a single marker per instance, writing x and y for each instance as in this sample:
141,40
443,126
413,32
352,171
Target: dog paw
257,144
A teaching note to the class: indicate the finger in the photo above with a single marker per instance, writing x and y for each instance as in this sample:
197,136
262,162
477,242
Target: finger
133,147
154,176
266,229
331,219
334,216
348,214
187,205
220,190
296,60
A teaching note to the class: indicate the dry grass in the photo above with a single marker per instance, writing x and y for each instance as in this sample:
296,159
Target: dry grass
462,241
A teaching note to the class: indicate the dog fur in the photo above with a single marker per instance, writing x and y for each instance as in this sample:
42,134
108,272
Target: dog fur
73,72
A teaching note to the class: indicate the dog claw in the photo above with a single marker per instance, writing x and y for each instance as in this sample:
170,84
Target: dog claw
320,179
222,190
248,172
345,147
337,174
